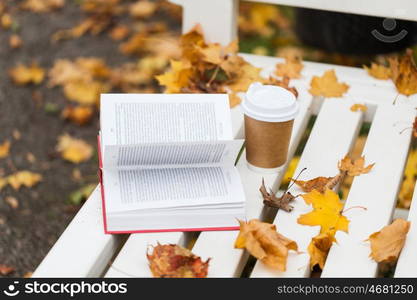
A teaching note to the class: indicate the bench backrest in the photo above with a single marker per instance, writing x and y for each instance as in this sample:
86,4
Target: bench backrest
219,17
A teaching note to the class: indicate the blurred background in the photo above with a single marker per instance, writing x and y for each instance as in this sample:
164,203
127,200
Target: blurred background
57,56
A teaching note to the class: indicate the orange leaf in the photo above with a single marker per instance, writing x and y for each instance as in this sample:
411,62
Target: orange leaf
356,107
74,150
291,68
320,184
79,115
404,73
354,167
4,149
22,74
327,85
319,248
378,71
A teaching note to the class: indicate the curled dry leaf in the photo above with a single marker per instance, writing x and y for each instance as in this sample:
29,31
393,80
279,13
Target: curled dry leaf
319,248
404,73
354,167
264,242
273,201
291,68
320,184
22,74
359,107
6,270
378,71
174,261
80,115
387,244
74,150
326,213
327,85
4,149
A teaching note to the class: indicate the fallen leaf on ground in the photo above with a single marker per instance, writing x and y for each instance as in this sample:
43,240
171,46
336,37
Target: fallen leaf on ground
15,41
354,167
143,9
22,74
119,33
74,150
359,107
80,115
85,93
378,71
6,270
273,201
23,178
173,261
326,213
4,149
327,85
264,242
291,68
12,201
404,73
320,184
6,21
41,6
319,248
387,244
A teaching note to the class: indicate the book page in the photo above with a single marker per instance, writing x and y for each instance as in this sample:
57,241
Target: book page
128,119
173,155
157,188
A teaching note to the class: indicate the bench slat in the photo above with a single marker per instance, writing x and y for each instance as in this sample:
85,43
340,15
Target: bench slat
332,137
377,191
83,250
226,260
407,262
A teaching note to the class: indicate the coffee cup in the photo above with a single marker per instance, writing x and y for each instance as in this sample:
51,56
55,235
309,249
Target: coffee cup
269,113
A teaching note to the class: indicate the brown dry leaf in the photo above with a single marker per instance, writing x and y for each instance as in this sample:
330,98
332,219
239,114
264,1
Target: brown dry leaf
4,149
327,85
143,9
264,242
15,41
12,201
173,261
326,212
359,107
387,244
404,73
23,178
6,270
41,6
320,184
135,44
80,115
119,32
22,74
291,68
378,71
319,248
74,150
273,201
354,167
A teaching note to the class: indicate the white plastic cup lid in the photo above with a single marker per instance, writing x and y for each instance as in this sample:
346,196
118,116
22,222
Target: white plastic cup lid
269,103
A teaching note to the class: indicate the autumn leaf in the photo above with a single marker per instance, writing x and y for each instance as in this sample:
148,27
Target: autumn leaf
327,85
319,247
15,41
285,83
273,201
80,115
264,242
173,261
119,32
387,243
358,107
22,74
291,68
74,150
6,270
22,178
41,6
177,78
4,149
86,93
326,213
143,9
404,73
354,167
378,71
320,184
415,128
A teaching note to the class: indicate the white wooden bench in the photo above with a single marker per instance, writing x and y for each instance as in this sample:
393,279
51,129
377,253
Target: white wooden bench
83,250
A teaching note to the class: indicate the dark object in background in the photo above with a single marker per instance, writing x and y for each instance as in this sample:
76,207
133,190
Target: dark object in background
352,34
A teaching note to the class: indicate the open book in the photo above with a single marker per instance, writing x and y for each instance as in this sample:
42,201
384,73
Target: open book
167,163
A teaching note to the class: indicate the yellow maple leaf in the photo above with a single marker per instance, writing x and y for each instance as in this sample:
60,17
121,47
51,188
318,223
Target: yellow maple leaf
74,150
25,178
326,212
264,242
22,74
4,149
177,78
327,85
354,167
378,71
387,244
